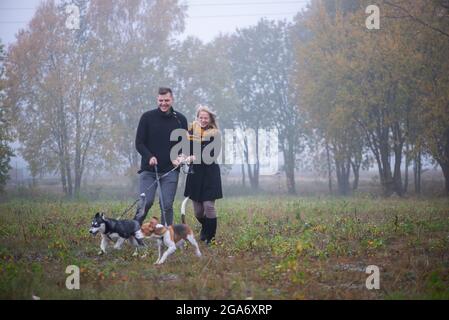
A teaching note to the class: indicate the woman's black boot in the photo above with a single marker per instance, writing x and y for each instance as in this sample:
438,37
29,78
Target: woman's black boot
211,228
203,228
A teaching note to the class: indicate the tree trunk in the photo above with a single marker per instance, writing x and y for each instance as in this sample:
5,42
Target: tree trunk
378,140
256,175
407,164
356,162
68,173
253,169
77,183
253,175
398,146
417,172
442,157
386,176
77,164
69,178
329,168
445,168
64,148
342,169
67,168
356,171
289,160
243,175
63,173
444,160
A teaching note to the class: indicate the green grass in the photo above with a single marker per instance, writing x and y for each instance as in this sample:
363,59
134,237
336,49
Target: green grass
267,248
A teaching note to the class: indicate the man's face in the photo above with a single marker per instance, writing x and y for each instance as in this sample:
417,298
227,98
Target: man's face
164,101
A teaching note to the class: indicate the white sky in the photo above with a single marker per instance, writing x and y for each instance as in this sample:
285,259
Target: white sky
206,18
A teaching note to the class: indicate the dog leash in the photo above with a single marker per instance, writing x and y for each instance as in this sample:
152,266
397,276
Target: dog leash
182,164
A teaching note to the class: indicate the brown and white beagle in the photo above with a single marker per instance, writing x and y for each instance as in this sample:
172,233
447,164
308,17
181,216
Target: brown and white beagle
172,236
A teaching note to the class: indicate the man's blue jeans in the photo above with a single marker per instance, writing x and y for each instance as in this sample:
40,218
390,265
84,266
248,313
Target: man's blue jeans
169,183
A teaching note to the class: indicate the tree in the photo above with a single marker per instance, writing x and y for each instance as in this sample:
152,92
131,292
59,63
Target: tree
262,64
428,120
321,80
52,84
288,118
366,76
135,42
433,97
78,92
5,128
431,15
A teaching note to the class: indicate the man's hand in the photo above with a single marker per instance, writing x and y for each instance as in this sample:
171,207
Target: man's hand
175,163
153,161
178,160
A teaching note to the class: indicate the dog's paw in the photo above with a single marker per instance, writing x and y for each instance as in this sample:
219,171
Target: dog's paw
135,254
101,252
144,256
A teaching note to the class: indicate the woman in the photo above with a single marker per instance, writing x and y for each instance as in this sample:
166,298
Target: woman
203,187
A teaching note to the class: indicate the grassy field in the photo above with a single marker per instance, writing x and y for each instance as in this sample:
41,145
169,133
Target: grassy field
267,248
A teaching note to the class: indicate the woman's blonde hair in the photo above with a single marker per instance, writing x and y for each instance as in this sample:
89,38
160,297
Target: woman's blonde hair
212,115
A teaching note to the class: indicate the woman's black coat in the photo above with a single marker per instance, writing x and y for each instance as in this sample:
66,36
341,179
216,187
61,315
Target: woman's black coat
205,182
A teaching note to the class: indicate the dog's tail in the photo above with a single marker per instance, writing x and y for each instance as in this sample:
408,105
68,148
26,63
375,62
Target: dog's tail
183,210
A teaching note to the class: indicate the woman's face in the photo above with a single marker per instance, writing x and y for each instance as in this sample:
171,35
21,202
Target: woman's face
204,119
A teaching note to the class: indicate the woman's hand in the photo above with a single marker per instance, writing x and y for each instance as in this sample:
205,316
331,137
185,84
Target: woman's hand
190,159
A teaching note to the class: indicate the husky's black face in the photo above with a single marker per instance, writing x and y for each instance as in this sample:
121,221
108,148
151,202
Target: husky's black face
98,224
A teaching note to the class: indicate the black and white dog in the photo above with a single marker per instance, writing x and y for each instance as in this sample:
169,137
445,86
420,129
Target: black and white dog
119,230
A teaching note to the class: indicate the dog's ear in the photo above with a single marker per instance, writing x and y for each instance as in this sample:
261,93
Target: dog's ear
102,216
97,214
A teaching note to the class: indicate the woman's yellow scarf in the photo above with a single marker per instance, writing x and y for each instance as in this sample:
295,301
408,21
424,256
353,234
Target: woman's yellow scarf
196,133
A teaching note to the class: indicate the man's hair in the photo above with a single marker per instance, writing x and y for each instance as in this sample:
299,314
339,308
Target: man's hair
164,90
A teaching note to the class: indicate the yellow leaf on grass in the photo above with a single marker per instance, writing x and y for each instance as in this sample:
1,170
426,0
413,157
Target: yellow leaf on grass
299,247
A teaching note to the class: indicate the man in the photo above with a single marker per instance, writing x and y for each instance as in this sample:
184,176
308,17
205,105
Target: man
154,145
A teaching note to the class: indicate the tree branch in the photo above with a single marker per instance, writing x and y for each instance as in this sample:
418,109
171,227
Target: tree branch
420,21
